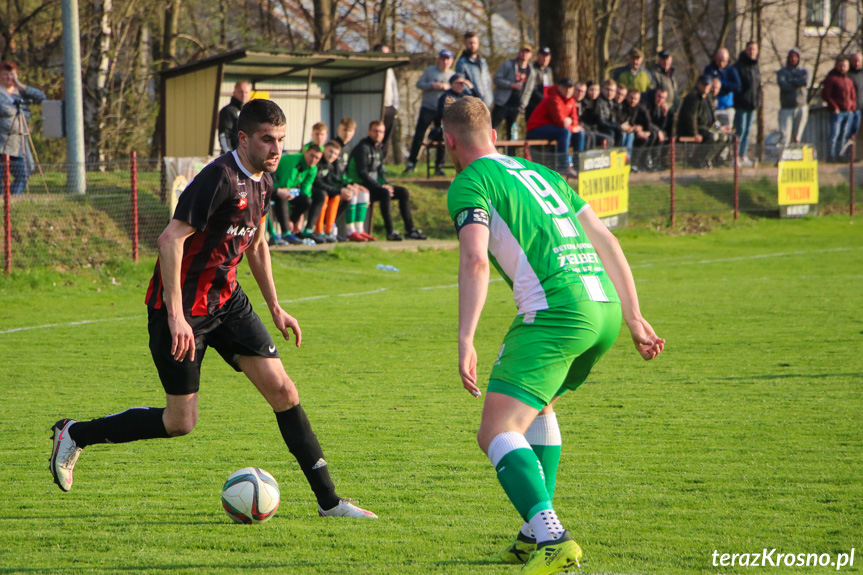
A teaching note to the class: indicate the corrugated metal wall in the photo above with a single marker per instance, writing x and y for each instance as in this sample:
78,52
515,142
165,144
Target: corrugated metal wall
189,112
290,95
360,99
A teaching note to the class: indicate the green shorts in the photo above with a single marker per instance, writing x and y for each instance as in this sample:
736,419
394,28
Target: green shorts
549,352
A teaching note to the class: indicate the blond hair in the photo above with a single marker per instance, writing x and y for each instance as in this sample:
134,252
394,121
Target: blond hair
320,127
467,119
348,124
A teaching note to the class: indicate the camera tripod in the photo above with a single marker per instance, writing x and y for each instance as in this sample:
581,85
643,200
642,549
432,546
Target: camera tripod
19,122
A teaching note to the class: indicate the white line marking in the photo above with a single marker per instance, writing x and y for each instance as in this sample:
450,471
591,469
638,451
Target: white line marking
449,286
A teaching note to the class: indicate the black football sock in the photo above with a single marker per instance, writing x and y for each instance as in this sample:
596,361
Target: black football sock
304,446
131,425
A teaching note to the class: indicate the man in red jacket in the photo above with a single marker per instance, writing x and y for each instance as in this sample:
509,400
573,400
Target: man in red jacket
556,118
840,97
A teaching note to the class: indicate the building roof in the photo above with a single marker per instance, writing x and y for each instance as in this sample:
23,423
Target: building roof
260,64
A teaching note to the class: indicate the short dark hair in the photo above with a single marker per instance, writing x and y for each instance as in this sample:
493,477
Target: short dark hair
9,66
313,148
374,123
469,34
257,112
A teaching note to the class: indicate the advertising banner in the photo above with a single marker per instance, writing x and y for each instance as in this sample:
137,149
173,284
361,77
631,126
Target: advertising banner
603,181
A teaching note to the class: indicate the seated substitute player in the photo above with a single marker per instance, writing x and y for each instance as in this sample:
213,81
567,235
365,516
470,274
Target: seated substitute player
566,271
320,135
293,180
194,301
338,195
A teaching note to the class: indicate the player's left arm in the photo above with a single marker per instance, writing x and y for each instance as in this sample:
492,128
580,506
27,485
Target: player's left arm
648,344
262,268
473,273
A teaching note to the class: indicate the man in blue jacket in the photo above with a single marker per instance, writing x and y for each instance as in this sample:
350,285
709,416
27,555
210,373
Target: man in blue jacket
730,80
475,69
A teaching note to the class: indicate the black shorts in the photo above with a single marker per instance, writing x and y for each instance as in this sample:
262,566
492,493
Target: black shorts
233,330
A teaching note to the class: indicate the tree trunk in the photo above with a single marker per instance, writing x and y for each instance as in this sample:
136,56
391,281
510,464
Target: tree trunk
323,28
658,22
559,30
96,81
642,29
169,42
522,22
489,10
604,26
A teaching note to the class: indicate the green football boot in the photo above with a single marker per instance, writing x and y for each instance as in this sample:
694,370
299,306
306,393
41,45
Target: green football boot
554,556
520,550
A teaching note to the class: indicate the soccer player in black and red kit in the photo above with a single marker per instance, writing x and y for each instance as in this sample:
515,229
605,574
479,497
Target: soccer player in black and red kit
195,302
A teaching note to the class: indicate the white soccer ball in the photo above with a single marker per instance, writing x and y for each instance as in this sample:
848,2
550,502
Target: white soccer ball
250,495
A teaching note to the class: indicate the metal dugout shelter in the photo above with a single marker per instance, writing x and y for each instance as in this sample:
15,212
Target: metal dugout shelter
310,87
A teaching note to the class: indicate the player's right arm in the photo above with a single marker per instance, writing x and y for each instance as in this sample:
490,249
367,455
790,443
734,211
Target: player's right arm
170,259
648,344
473,272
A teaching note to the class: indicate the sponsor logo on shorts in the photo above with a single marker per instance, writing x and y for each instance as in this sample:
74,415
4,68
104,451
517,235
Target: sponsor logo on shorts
272,349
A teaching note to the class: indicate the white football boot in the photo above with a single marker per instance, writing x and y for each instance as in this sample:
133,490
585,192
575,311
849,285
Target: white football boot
64,455
346,508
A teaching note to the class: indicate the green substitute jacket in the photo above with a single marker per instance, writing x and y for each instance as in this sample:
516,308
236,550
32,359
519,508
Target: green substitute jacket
293,172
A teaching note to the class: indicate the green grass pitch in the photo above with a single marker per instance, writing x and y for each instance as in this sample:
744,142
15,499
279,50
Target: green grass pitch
745,434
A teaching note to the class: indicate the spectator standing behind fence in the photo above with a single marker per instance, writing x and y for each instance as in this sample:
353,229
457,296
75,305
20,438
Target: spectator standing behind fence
695,120
747,100
633,76
856,75
433,83
545,79
793,80
391,101
514,82
656,105
840,97
475,69
556,118
15,98
730,79
366,168
229,117
662,76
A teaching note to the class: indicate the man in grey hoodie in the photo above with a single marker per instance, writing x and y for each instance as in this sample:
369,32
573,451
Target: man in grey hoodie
433,83
793,80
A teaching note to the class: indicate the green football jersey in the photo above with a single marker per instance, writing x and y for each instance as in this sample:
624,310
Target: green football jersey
536,241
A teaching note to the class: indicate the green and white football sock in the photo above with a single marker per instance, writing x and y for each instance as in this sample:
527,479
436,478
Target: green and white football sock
520,474
362,209
543,435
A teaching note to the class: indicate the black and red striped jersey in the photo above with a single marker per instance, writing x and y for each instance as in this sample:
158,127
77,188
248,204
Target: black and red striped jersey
225,204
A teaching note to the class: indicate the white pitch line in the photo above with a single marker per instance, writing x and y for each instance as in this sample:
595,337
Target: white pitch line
448,286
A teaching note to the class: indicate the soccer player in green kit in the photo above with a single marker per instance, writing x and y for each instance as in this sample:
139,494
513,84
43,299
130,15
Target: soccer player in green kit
571,283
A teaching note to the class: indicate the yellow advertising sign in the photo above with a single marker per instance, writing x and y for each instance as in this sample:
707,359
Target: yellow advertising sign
603,181
798,177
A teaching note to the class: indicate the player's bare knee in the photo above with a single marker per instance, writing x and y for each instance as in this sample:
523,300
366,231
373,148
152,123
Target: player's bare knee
283,395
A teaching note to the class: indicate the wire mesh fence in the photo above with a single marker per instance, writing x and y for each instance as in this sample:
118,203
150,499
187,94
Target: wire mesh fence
48,226
125,205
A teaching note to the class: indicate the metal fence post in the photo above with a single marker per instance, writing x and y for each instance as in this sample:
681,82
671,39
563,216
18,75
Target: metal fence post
736,164
673,147
134,172
851,179
7,213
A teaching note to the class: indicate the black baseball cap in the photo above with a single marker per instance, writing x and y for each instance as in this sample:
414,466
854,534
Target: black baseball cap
456,78
566,81
545,50
663,54
704,79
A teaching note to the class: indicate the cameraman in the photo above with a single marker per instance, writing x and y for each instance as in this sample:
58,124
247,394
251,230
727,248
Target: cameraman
14,123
